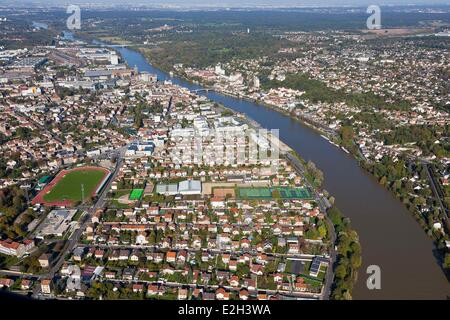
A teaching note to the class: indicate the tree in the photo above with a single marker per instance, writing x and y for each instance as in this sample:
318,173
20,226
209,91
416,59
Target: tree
355,261
322,230
447,261
23,133
340,271
347,134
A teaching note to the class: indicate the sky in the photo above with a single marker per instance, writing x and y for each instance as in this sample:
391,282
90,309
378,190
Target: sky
232,3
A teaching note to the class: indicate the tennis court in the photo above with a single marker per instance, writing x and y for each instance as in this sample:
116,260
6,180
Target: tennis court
268,193
223,192
255,193
293,193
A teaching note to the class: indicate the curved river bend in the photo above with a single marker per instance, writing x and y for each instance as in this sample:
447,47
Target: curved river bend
389,235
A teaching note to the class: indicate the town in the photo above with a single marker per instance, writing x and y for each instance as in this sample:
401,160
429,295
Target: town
207,155
167,216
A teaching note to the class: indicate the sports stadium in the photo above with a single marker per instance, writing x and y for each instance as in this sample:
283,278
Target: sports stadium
71,186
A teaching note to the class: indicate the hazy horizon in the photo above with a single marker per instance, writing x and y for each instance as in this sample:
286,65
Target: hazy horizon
229,3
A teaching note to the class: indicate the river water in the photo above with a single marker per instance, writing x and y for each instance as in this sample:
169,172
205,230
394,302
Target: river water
389,235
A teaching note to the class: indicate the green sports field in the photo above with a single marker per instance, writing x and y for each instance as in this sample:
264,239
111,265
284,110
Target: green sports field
69,187
293,193
255,193
136,194
274,192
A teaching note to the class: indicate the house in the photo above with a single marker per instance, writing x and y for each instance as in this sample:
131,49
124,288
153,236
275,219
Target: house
128,274
226,258
250,284
46,286
221,294
141,239
218,203
208,296
262,296
158,257
222,275
245,244
182,294
232,265
25,284
99,254
300,285
13,248
277,277
96,217
171,256
205,256
78,254
317,264
243,294
134,256
114,256
124,254
206,278
44,260
152,290
6,283
182,257
234,281
138,288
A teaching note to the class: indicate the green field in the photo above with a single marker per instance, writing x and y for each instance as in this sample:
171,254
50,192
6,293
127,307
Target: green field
255,193
69,187
293,193
136,194
275,192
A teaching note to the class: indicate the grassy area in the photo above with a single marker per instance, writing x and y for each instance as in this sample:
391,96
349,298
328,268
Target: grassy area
7,261
114,40
273,193
311,281
322,273
119,193
69,187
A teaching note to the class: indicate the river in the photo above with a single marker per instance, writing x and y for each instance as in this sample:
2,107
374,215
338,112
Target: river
389,235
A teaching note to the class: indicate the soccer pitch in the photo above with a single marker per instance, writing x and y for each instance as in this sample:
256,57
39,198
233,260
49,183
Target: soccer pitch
69,186
136,194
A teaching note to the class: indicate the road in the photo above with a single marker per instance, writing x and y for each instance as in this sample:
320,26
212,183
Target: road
323,207
438,193
23,275
54,136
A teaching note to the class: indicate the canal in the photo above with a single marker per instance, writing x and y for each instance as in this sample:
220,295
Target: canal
389,235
